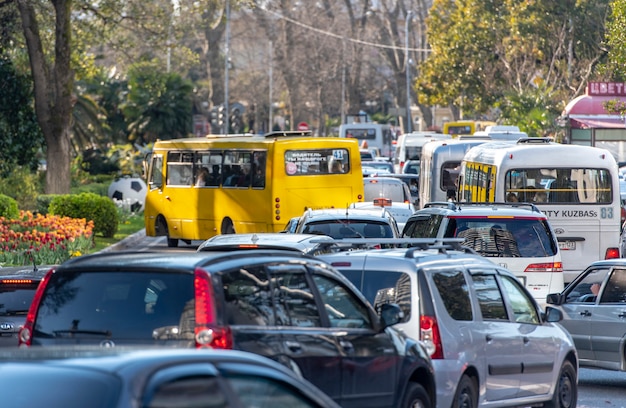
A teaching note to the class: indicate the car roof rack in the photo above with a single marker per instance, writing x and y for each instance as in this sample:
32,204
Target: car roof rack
289,133
530,206
412,244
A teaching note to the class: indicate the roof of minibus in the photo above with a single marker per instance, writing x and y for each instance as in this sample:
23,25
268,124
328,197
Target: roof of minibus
269,138
540,154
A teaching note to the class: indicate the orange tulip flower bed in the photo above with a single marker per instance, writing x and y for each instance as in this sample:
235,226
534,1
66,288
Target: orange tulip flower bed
43,239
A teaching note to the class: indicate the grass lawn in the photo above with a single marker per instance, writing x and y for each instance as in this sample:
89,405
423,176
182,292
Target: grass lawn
133,224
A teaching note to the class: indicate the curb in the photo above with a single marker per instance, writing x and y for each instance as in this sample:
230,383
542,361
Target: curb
129,241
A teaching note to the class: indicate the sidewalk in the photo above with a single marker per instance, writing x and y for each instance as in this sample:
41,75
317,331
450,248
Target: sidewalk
127,243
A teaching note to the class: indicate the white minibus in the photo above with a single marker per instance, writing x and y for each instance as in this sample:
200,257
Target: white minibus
577,187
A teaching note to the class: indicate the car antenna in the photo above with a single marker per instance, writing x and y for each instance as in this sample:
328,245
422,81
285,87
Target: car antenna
32,258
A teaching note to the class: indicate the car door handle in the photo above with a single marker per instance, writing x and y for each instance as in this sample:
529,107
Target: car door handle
347,346
293,346
622,314
585,313
488,338
526,340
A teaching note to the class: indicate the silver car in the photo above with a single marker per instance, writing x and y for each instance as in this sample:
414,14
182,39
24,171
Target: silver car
594,312
490,344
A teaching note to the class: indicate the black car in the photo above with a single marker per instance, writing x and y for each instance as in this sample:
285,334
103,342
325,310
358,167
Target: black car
17,289
284,305
124,378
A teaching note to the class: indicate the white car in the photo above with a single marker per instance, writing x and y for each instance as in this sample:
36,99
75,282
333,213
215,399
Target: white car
401,211
340,223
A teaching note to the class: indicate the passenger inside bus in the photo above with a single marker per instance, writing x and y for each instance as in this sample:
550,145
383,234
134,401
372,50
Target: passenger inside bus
202,177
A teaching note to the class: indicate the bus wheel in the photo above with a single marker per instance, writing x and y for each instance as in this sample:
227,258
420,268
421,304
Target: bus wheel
162,230
227,226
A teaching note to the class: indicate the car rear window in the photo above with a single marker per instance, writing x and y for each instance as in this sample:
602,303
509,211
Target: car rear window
383,188
15,298
505,237
116,305
354,228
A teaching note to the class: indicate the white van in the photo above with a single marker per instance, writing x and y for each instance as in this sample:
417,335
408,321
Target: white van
375,135
410,146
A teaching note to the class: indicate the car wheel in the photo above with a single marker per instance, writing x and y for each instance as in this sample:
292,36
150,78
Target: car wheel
466,395
566,392
416,397
162,230
227,226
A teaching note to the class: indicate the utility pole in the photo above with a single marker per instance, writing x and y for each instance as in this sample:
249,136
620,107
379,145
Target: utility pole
227,67
408,73
343,81
271,73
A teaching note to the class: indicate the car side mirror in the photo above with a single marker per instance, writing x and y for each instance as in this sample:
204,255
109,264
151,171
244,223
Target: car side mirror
390,314
553,315
554,299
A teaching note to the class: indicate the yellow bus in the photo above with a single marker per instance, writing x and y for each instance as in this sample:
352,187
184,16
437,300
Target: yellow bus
222,184
465,127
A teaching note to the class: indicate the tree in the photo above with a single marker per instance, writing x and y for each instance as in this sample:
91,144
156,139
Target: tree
21,140
509,46
53,84
159,104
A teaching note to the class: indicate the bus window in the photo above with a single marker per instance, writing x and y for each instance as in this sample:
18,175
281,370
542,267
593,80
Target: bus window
156,172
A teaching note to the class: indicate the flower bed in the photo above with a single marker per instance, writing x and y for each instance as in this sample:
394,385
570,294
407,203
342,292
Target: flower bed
43,239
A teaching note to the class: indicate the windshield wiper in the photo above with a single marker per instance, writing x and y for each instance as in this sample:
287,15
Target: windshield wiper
105,333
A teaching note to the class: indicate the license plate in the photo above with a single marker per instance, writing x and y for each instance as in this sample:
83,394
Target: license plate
567,246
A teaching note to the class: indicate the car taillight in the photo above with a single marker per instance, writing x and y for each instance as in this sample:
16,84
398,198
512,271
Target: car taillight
545,267
25,336
207,332
611,253
429,335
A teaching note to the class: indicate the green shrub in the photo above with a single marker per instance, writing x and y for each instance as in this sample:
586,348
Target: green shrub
8,207
90,206
24,186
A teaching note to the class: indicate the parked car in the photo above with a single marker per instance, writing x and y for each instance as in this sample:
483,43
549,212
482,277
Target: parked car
516,236
124,378
349,223
490,344
311,244
17,289
594,307
281,304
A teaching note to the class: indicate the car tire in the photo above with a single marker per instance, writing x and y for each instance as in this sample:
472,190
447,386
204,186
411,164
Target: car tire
566,391
162,229
466,395
416,397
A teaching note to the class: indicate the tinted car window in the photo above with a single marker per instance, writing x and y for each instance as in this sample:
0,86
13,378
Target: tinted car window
340,229
200,391
506,237
489,297
454,292
426,226
396,288
615,289
255,392
248,297
15,299
116,304
295,303
344,310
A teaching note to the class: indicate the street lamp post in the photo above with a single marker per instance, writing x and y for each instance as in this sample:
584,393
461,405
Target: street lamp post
409,14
